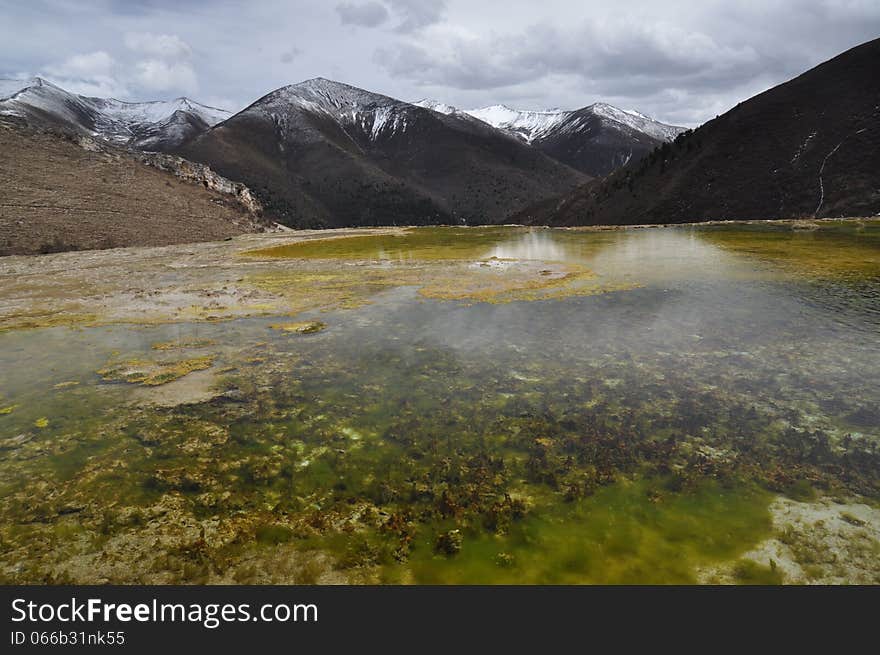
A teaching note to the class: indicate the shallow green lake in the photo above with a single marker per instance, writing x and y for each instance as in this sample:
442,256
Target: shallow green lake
631,426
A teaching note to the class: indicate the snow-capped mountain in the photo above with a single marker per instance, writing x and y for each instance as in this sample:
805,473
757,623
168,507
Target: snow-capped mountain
532,125
159,125
324,153
596,139
361,113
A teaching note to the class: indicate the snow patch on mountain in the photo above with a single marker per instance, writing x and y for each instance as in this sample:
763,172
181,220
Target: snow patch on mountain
637,121
373,114
319,94
528,125
436,105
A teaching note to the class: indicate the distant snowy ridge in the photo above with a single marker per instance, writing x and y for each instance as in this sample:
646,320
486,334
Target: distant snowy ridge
141,124
637,121
158,111
530,125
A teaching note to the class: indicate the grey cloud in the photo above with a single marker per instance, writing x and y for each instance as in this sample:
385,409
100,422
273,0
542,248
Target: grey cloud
416,14
705,66
289,55
678,60
642,57
370,14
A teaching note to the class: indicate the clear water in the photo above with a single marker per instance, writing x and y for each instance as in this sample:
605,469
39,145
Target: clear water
634,434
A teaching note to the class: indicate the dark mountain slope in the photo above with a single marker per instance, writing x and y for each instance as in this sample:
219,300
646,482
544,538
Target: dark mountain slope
809,147
321,153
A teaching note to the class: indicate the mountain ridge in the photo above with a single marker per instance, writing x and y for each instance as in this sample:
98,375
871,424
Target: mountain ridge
595,139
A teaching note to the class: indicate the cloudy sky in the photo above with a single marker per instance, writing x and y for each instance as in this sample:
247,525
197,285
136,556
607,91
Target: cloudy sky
682,62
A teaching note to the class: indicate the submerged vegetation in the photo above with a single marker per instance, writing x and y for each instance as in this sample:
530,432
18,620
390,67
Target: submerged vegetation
152,374
301,327
473,406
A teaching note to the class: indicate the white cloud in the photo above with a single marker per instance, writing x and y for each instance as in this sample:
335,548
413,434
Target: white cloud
97,63
163,46
97,87
158,75
167,66
90,74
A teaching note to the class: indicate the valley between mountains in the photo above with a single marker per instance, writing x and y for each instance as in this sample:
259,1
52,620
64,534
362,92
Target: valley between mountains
318,154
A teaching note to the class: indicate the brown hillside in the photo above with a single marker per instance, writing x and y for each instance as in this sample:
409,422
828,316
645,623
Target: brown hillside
56,195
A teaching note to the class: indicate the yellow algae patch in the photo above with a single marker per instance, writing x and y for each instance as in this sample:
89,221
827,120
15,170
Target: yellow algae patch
441,263
41,423
344,287
171,345
8,409
66,385
303,327
38,319
521,281
839,249
154,373
422,244
492,280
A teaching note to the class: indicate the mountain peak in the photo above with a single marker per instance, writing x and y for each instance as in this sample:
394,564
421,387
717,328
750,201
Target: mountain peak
635,120
322,82
435,105
321,94
12,86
